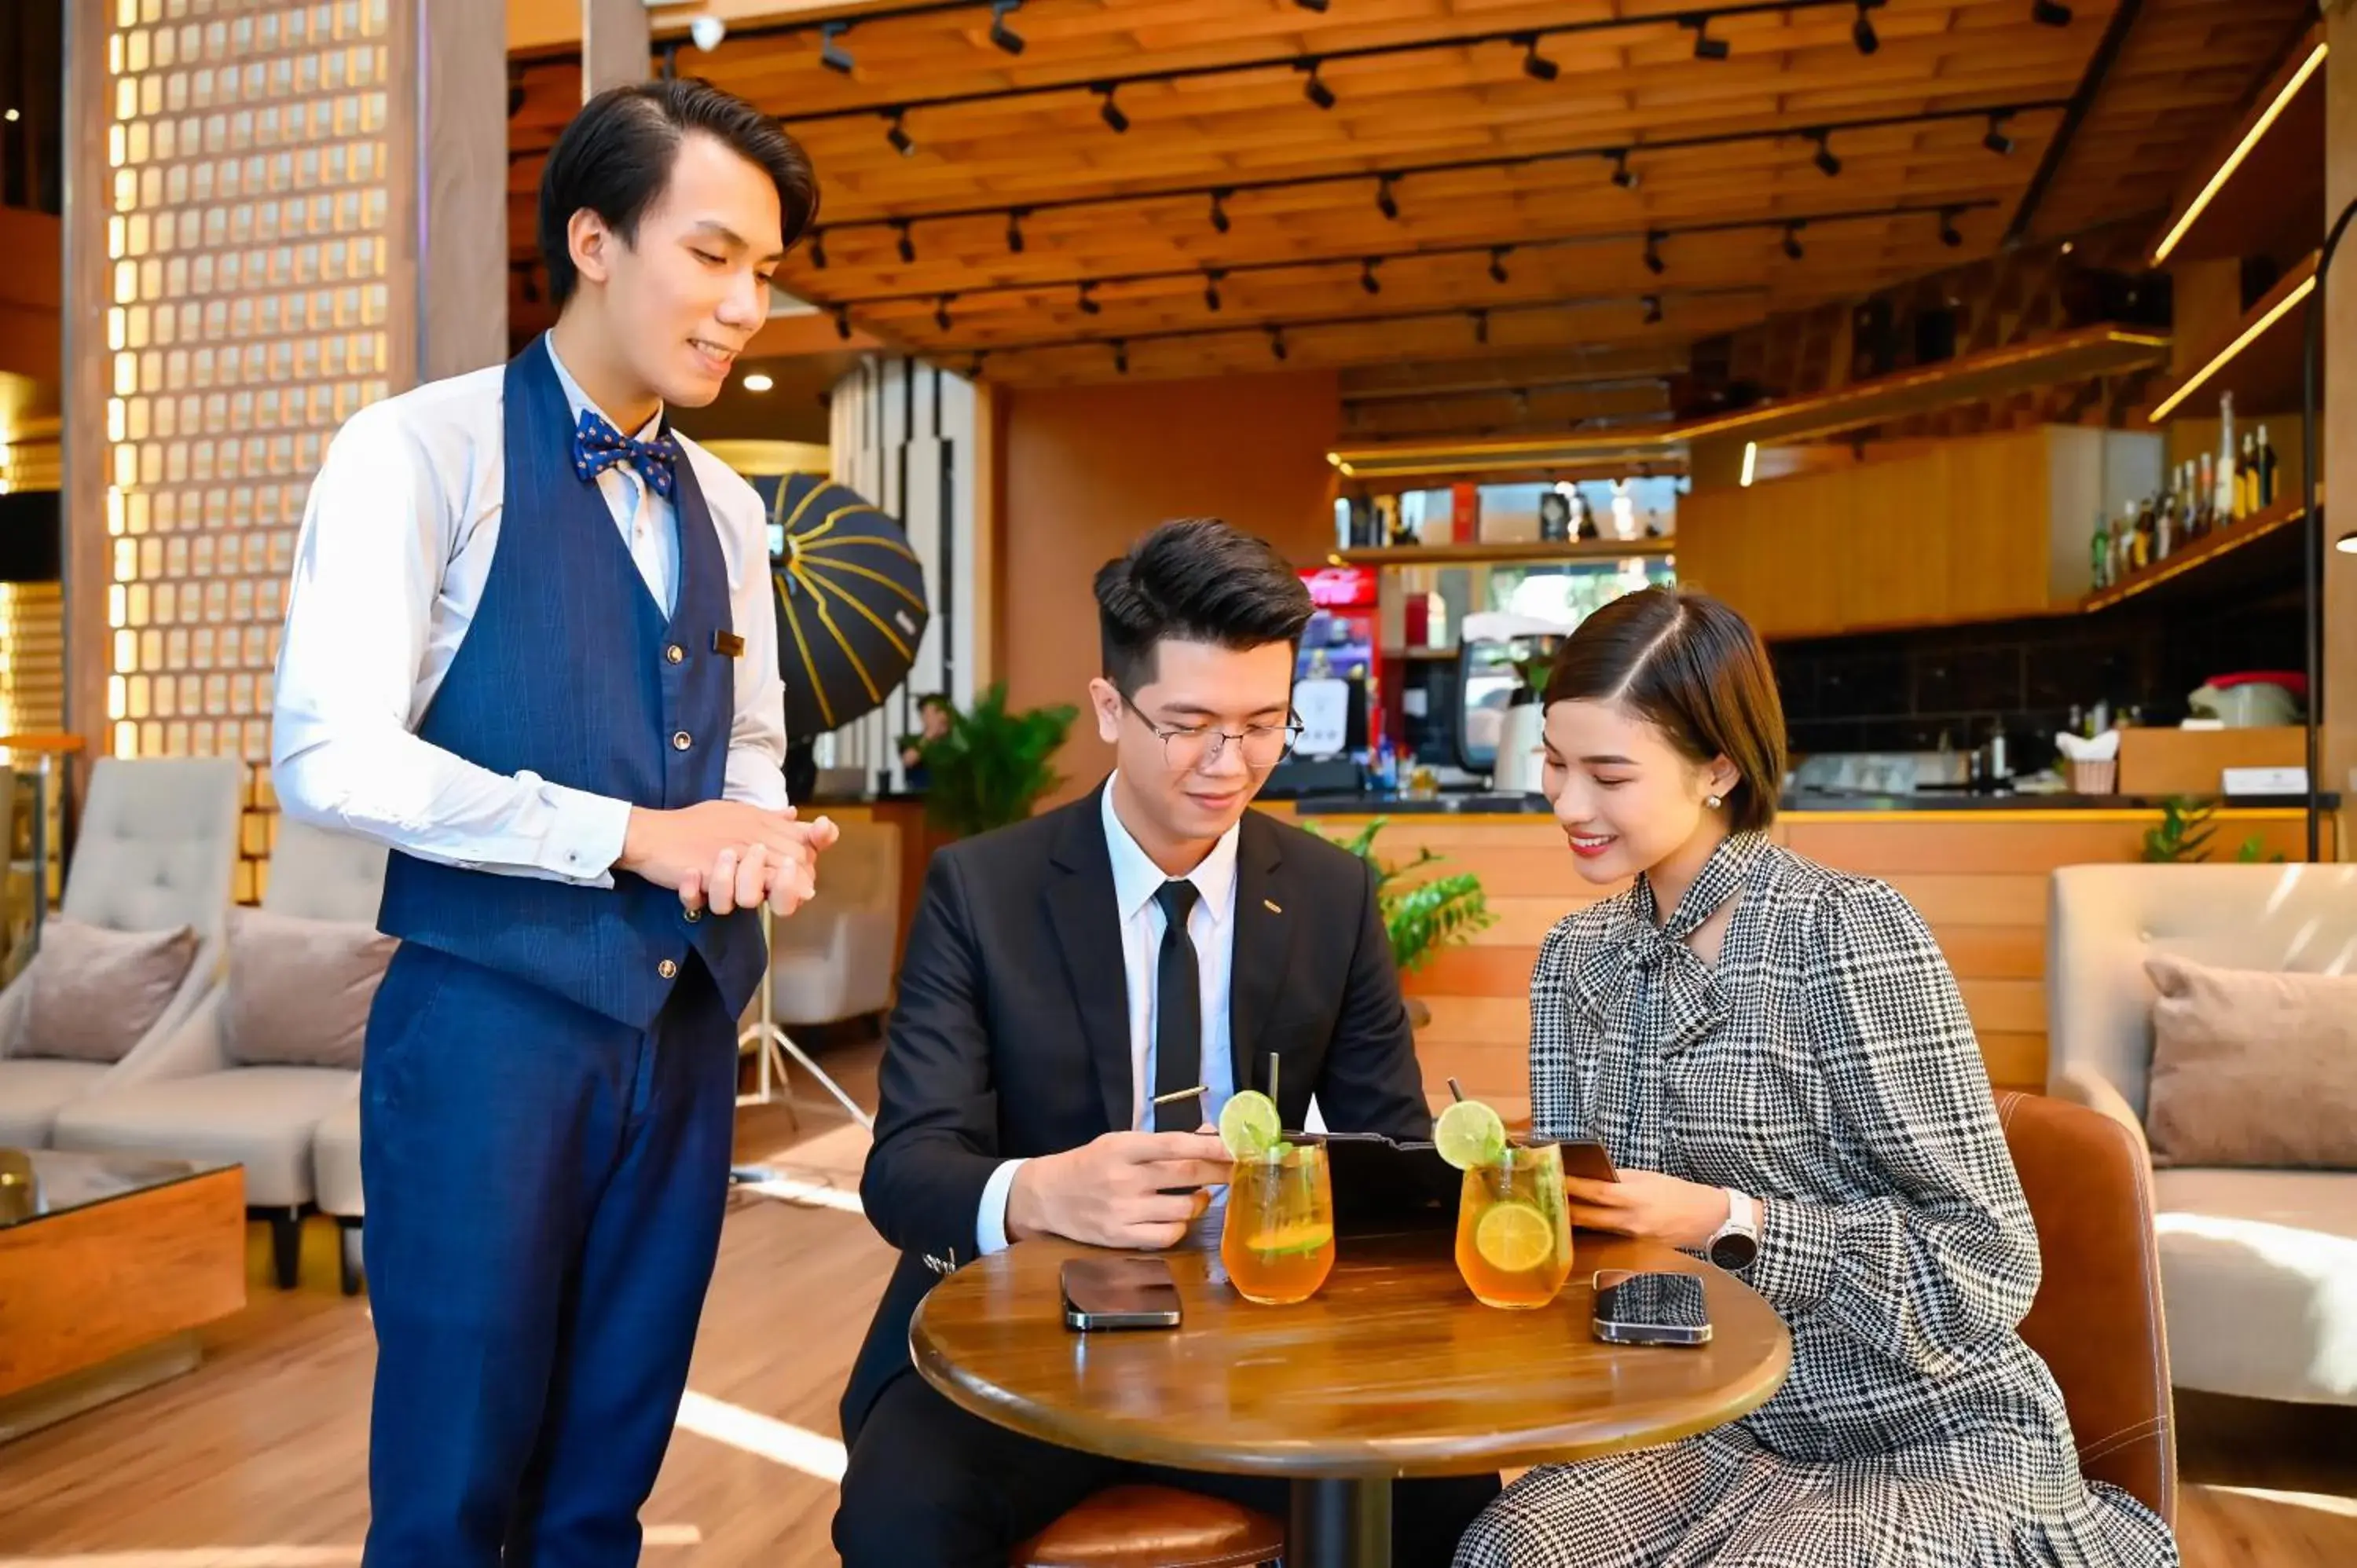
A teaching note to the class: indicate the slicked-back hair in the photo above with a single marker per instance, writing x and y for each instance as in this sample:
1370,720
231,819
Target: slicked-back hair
1195,580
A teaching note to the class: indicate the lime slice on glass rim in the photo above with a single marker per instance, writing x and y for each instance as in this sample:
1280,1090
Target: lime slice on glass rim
1469,1134
1249,1125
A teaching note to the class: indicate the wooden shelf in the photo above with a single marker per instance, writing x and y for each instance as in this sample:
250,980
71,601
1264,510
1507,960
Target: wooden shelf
2275,529
1550,552
2280,171
2258,361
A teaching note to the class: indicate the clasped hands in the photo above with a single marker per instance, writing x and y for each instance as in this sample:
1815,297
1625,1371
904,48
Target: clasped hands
727,854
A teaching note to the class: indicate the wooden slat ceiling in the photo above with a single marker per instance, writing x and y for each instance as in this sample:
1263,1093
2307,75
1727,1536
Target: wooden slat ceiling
1529,168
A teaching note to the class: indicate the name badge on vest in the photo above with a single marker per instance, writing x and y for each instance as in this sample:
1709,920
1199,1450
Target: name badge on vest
728,644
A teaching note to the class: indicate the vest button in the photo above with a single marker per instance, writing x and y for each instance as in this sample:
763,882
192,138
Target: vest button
674,653
693,915
667,969
682,741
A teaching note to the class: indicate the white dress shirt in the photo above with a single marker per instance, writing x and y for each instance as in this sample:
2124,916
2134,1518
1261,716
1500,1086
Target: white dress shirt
395,547
1212,925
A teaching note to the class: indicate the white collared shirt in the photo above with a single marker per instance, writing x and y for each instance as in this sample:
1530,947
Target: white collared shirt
395,547
1212,925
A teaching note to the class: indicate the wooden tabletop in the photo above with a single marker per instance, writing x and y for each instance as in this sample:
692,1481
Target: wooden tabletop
1391,1370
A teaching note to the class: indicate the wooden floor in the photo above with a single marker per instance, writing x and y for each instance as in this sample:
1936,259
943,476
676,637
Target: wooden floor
258,1459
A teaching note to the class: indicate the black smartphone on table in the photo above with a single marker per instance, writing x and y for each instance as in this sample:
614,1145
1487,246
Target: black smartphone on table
1118,1293
1651,1308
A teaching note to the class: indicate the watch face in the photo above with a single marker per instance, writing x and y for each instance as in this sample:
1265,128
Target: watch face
1734,1250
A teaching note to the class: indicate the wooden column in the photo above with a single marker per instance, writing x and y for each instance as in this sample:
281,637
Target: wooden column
275,215
2337,419
615,45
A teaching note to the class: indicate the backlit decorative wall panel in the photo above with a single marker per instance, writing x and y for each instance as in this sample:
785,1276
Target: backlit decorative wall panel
249,207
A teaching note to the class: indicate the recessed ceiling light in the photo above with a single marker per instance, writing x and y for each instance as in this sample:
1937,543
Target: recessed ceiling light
12,116
757,382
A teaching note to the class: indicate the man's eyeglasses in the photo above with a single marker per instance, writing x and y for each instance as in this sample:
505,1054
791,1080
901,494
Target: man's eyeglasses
1188,748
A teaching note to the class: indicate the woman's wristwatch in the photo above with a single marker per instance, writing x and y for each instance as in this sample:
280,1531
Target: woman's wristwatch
1733,1244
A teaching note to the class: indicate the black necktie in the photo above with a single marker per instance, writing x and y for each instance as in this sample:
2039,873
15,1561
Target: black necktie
1178,1014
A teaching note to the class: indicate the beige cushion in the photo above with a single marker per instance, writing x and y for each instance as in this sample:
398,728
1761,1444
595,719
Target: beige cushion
2250,1067
335,1161
94,993
2258,1282
257,1117
300,990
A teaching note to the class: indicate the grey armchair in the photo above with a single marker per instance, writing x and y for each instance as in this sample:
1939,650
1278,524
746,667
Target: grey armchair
2258,1267
833,959
156,852
262,1114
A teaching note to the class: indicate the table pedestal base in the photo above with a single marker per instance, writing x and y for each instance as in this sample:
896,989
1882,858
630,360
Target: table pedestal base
1340,1524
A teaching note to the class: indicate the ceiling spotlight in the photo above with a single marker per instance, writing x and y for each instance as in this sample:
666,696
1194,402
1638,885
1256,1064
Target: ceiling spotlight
1089,306
1315,90
1653,262
1705,47
758,383
942,311
1652,309
706,31
818,248
1120,357
1996,141
12,114
1537,66
1480,326
1110,112
1793,240
907,242
842,322
1385,202
831,52
1367,278
2069,246
1498,263
2346,544
1015,216
1005,37
1212,289
1825,160
1276,342
1949,235
1316,6
2049,12
898,133
1622,174
1861,32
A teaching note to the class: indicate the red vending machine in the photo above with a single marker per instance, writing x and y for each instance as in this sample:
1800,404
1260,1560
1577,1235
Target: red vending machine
1344,643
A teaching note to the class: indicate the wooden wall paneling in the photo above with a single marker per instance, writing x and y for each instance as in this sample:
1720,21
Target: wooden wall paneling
2336,425
615,45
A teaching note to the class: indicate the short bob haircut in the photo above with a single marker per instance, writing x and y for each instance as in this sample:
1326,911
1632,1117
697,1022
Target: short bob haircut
1687,663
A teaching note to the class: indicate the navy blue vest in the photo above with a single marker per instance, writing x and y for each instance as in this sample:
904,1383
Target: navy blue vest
570,671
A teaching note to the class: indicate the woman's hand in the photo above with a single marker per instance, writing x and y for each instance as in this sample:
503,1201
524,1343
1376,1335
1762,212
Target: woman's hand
1648,1204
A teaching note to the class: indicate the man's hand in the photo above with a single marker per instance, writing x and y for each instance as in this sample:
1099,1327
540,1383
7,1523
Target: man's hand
1110,1193
672,849
1648,1204
742,876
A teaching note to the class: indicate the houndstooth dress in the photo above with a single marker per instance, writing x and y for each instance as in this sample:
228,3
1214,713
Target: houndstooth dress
1825,1065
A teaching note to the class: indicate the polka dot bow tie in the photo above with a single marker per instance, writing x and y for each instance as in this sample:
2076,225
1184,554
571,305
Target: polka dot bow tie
597,446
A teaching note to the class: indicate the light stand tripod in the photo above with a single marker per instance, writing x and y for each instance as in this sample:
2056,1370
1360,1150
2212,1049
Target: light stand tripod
768,1039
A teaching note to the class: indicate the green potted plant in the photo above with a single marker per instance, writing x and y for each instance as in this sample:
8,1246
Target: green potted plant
2187,824
990,767
1423,915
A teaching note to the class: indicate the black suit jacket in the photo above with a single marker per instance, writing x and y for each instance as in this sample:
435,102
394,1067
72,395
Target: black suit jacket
1010,1037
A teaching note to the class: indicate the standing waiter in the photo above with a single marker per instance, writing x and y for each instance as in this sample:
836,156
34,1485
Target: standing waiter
536,657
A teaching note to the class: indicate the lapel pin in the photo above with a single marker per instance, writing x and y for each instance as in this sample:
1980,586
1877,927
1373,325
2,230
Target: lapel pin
1270,906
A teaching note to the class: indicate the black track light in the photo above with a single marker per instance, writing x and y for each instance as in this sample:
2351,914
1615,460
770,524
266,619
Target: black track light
1537,66
1089,306
1861,32
1120,357
1652,309
1622,174
1315,90
1316,6
907,242
1220,211
1996,141
1276,342
1005,37
842,322
942,311
1825,160
898,133
1653,262
831,52
1367,278
818,248
1498,263
1480,326
1792,241
1950,235
1110,112
974,365
1386,202
1705,47
2049,12
1212,289
1015,216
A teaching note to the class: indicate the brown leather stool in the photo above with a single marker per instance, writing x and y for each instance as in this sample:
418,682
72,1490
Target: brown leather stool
1153,1527
2096,1318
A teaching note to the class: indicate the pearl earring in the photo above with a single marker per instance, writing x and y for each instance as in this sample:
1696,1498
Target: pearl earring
1712,802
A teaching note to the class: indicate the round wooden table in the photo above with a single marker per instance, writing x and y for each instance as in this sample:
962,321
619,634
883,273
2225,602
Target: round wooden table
1391,1370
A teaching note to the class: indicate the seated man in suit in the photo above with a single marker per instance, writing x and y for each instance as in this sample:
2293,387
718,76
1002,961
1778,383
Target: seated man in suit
1065,973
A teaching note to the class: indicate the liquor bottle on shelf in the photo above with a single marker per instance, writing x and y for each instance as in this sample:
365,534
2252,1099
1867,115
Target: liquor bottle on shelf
2222,505
2099,565
2246,477
2266,470
2205,492
2167,531
2194,516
